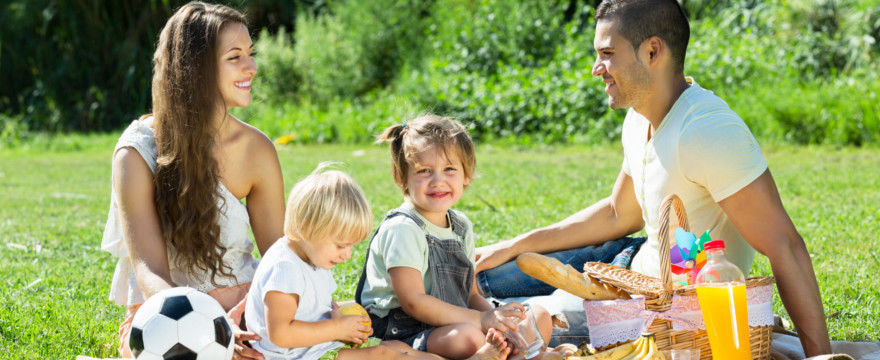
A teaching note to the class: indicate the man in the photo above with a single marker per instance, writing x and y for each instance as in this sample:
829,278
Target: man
678,139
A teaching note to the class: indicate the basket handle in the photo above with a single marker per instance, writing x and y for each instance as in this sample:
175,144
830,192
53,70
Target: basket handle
671,202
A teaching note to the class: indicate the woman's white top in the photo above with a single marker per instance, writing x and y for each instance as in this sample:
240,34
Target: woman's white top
233,220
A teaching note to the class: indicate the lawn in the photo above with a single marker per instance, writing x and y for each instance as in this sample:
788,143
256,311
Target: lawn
54,199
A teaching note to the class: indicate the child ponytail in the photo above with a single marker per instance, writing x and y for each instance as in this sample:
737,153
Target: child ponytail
391,134
394,135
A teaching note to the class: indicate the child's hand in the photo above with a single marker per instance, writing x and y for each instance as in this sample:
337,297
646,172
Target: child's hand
502,318
353,328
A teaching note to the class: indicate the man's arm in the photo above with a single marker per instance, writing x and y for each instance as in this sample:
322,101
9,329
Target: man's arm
757,212
611,218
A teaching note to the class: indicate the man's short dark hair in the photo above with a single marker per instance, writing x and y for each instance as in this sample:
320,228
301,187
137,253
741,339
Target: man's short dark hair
638,20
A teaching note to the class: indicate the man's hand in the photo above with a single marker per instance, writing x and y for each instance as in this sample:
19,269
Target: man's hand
608,219
492,256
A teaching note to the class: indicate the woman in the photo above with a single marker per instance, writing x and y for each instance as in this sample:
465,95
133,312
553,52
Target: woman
179,174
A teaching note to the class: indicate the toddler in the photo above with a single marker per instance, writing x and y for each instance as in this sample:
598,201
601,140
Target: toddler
418,278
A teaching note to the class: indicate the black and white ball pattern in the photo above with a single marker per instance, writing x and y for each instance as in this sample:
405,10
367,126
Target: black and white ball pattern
181,323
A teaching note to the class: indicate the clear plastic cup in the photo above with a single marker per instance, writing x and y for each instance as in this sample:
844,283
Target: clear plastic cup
688,354
527,339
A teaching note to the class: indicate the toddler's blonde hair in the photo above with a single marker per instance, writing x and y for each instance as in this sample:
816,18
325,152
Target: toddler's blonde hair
325,205
423,133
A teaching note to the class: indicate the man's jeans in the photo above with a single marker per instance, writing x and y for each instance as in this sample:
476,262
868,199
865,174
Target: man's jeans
508,283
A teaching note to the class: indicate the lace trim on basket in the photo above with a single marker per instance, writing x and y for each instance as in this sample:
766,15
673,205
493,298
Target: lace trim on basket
609,334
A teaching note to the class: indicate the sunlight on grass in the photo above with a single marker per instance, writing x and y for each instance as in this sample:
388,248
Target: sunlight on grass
53,300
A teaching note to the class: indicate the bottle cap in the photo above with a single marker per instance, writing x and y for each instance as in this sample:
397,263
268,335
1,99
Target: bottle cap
714,244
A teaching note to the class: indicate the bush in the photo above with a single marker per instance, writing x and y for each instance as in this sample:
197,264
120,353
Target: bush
347,122
388,33
477,71
345,52
798,71
814,112
328,60
558,102
480,36
278,79
12,130
734,48
789,70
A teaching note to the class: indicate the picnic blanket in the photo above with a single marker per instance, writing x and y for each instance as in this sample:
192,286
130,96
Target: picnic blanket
786,345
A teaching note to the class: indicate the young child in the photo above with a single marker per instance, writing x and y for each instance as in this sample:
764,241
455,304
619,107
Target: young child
289,304
418,278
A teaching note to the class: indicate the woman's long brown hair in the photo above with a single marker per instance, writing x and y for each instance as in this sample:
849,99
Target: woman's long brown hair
186,97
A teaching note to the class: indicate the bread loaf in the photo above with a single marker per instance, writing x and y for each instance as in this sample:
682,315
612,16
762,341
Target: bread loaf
565,277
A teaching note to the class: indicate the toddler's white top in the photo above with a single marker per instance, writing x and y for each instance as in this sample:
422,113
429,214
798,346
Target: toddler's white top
233,219
282,270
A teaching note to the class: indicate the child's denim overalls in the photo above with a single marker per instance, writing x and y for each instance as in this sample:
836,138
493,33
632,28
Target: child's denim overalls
452,276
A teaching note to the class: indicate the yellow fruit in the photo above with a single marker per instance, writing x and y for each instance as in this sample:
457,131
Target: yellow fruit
615,353
638,346
654,353
354,308
646,348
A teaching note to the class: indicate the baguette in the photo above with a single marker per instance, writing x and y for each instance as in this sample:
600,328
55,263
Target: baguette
565,277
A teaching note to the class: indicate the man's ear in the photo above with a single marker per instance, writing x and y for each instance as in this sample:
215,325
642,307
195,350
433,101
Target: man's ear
653,49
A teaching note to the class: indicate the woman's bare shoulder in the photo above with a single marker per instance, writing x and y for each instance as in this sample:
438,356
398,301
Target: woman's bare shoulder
130,171
256,142
256,147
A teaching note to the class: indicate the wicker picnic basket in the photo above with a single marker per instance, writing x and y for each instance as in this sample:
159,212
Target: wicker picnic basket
658,292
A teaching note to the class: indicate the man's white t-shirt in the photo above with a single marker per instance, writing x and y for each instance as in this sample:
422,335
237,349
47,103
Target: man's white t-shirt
703,152
400,242
282,270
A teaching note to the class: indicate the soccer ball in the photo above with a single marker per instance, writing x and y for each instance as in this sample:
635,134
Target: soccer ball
181,323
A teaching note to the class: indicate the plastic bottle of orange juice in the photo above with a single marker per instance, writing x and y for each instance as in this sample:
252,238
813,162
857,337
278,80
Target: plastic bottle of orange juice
721,290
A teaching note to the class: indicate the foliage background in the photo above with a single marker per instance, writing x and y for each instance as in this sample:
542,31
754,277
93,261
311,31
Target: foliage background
338,71
517,72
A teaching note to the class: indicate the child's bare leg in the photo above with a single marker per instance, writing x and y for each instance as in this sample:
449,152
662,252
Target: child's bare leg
457,341
403,348
545,322
387,350
496,347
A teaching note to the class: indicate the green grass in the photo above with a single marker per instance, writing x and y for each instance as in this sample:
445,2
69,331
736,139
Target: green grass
53,302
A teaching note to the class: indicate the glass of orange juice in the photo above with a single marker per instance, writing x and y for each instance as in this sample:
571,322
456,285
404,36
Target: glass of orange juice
727,320
721,291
